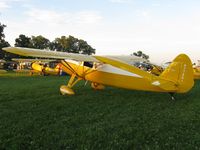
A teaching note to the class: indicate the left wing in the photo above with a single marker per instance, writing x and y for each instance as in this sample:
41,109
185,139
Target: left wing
64,55
49,54
33,60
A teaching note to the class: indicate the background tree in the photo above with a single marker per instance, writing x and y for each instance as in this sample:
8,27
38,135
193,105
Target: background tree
65,44
2,36
40,42
60,44
84,48
141,54
3,43
72,45
23,41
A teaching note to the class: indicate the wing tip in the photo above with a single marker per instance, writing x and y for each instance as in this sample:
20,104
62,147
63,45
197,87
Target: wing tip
6,48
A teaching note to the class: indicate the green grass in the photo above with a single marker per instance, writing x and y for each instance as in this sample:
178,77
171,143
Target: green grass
33,115
4,73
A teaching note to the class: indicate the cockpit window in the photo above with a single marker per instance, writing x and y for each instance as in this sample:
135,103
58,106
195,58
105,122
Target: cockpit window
88,64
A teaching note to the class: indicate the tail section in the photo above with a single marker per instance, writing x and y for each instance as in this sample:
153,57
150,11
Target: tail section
180,72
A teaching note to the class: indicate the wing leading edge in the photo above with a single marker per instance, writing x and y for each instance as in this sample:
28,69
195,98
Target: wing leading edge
64,55
49,54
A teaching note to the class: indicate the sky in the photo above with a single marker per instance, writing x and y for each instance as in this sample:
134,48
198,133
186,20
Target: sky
161,29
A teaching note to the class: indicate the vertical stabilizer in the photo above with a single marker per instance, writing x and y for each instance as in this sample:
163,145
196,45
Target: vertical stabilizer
180,72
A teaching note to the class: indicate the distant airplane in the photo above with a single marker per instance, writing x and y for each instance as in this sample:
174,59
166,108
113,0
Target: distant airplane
43,69
117,71
40,66
196,72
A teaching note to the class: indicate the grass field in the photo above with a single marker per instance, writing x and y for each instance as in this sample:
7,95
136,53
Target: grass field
33,115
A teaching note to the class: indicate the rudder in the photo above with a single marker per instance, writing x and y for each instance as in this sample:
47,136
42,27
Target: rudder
180,72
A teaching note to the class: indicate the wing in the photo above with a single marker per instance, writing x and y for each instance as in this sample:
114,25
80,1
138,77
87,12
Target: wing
33,60
64,55
123,66
49,54
129,59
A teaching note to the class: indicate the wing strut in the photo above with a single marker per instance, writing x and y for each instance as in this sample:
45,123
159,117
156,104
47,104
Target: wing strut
77,72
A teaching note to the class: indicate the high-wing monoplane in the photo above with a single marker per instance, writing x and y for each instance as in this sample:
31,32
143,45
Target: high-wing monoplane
117,71
40,66
196,72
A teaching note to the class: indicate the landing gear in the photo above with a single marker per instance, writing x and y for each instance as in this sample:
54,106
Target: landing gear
172,96
67,89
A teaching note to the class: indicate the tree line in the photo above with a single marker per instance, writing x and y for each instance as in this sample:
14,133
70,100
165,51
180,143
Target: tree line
3,43
64,43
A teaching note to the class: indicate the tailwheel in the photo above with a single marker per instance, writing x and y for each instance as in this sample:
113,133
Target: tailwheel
97,86
67,89
172,95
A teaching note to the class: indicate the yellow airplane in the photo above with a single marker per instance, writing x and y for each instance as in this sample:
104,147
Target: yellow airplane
45,70
39,66
117,71
196,72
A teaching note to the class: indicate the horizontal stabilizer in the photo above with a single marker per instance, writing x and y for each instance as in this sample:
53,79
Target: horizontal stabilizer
165,85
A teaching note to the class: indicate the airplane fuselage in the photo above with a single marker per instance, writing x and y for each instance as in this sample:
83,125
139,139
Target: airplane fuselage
109,75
